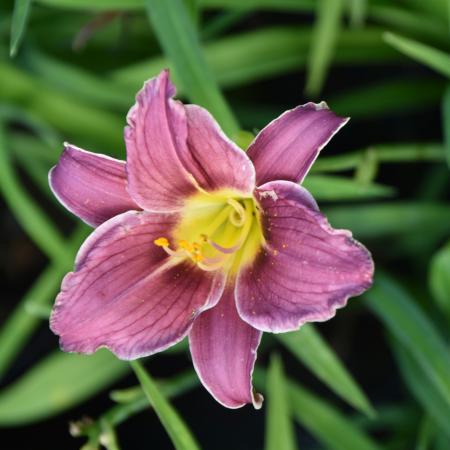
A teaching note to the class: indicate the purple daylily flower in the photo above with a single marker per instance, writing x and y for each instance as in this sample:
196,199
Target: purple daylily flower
197,237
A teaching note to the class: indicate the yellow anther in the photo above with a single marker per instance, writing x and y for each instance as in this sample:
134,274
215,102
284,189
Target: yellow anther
185,245
161,242
197,257
196,247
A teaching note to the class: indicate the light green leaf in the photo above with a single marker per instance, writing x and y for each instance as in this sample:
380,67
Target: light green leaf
311,349
392,153
264,53
409,22
20,325
326,423
133,401
425,435
18,24
279,429
391,219
437,8
58,383
78,82
27,213
439,278
404,319
446,121
420,386
324,37
332,187
399,96
425,54
66,113
180,435
357,12
105,5
178,38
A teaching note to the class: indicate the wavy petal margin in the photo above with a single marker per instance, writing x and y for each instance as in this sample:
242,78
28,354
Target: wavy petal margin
126,294
307,269
287,147
174,151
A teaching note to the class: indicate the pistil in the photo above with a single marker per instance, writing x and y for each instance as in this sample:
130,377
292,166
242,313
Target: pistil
217,244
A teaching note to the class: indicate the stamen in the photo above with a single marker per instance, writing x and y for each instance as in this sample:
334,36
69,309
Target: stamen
161,242
164,243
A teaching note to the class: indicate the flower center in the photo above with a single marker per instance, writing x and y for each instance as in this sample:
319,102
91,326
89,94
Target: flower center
220,230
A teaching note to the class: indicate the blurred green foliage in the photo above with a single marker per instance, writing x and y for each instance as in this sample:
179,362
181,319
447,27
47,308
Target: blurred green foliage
69,70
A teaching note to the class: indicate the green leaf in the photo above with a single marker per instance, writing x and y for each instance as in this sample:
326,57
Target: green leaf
177,36
357,12
446,122
420,386
391,219
425,54
332,187
439,278
279,429
264,53
19,21
409,22
58,383
325,34
180,435
78,82
392,153
437,8
133,401
404,319
98,5
425,435
66,113
331,428
28,214
20,325
399,96
105,5
311,349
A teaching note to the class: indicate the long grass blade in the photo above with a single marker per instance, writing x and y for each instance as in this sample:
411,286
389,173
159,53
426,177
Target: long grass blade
19,326
57,383
180,42
313,351
279,429
178,432
46,236
418,383
326,423
446,121
325,34
404,319
422,53
19,21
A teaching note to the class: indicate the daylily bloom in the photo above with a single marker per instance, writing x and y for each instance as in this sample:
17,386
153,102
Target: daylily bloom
196,237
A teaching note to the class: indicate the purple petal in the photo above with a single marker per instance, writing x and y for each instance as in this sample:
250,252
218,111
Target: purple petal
287,147
173,151
129,295
214,160
223,349
306,270
91,186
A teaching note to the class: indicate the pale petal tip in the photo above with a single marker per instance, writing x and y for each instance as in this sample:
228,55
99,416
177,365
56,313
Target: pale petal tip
257,399
321,105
